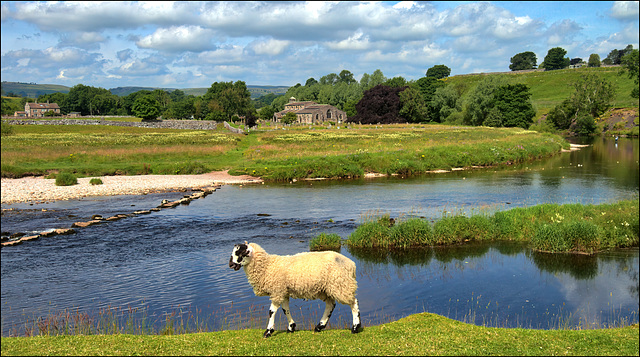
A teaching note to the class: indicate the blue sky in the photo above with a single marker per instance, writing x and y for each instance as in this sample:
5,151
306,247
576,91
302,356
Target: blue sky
193,44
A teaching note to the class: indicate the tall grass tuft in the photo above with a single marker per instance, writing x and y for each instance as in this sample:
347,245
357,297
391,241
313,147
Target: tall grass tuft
66,179
325,241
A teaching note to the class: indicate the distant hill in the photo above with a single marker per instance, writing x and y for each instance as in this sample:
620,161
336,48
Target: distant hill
32,90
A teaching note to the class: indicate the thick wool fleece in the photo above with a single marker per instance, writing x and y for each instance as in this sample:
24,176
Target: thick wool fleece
311,275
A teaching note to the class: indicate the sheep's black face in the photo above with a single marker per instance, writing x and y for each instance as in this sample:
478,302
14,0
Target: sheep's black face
239,256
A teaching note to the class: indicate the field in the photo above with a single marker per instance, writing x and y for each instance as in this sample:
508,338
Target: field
281,155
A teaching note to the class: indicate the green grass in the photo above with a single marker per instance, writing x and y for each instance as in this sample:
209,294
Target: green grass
325,241
546,227
419,334
550,88
274,155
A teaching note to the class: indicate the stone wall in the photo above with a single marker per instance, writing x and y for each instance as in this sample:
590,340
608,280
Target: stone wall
167,124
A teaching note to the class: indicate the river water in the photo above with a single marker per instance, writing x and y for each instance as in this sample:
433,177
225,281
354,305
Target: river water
174,263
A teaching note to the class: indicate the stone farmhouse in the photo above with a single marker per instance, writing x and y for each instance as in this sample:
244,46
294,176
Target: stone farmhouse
308,112
37,110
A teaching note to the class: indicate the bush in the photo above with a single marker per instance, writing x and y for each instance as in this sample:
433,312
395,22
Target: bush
66,179
370,234
325,241
7,129
95,181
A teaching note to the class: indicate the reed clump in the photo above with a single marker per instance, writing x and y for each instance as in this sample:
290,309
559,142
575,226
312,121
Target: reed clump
325,241
574,228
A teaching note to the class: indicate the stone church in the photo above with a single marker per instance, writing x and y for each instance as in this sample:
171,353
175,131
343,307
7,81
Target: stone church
311,112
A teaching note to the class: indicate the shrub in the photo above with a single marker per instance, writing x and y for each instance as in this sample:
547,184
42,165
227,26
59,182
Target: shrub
7,129
325,241
66,179
95,181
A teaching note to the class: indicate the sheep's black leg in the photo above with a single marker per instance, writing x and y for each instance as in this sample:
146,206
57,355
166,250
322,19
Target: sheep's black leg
272,316
330,304
285,308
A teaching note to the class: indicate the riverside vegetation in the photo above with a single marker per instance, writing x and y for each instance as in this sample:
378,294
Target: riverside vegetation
574,228
280,155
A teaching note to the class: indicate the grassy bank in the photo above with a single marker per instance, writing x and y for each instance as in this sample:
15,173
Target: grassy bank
550,88
274,155
420,334
554,228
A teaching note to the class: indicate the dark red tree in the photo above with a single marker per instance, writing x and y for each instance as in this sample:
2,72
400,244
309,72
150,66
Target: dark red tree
380,104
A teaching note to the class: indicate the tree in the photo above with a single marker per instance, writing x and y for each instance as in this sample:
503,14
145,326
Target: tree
289,118
146,107
591,98
444,103
266,112
593,95
523,61
427,87
481,100
413,107
311,81
630,66
380,104
397,82
594,60
555,59
575,61
226,99
615,56
346,77
438,71
330,79
513,104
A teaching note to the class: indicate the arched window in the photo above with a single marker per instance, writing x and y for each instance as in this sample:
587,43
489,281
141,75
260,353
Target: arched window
316,118
329,114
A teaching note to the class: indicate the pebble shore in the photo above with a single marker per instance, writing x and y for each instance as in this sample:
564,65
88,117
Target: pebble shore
39,189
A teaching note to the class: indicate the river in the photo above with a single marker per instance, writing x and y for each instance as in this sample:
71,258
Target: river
173,263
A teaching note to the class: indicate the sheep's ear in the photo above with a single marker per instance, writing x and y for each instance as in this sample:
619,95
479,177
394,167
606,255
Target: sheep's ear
249,251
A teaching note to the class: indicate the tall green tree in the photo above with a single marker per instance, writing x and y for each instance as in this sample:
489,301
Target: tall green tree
481,101
630,66
514,105
594,60
146,107
438,71
413,106
555,59
226,99
523,61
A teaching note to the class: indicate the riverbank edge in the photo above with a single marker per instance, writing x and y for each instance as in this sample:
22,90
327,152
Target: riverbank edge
417,334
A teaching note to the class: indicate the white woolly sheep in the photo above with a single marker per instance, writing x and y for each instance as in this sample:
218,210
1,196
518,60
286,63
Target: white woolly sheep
327,276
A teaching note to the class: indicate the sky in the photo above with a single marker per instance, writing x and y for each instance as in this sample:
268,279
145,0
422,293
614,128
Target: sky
188,44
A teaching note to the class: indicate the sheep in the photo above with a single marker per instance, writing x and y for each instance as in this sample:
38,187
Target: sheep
327,276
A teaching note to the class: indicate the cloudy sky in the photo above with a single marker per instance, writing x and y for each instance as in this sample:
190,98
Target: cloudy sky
193,44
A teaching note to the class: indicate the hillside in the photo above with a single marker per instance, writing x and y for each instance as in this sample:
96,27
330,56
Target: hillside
550,88
33,90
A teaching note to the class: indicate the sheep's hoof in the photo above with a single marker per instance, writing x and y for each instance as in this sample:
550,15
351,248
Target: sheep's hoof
319,327
292,328
356,328
268,333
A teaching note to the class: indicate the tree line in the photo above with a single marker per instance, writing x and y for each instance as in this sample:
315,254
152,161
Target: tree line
555,59
495,101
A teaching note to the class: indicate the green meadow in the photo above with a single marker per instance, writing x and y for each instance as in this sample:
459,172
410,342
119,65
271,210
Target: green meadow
273,154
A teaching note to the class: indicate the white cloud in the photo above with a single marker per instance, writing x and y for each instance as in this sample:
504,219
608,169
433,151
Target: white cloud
625,10
357,42
178,38
270,47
